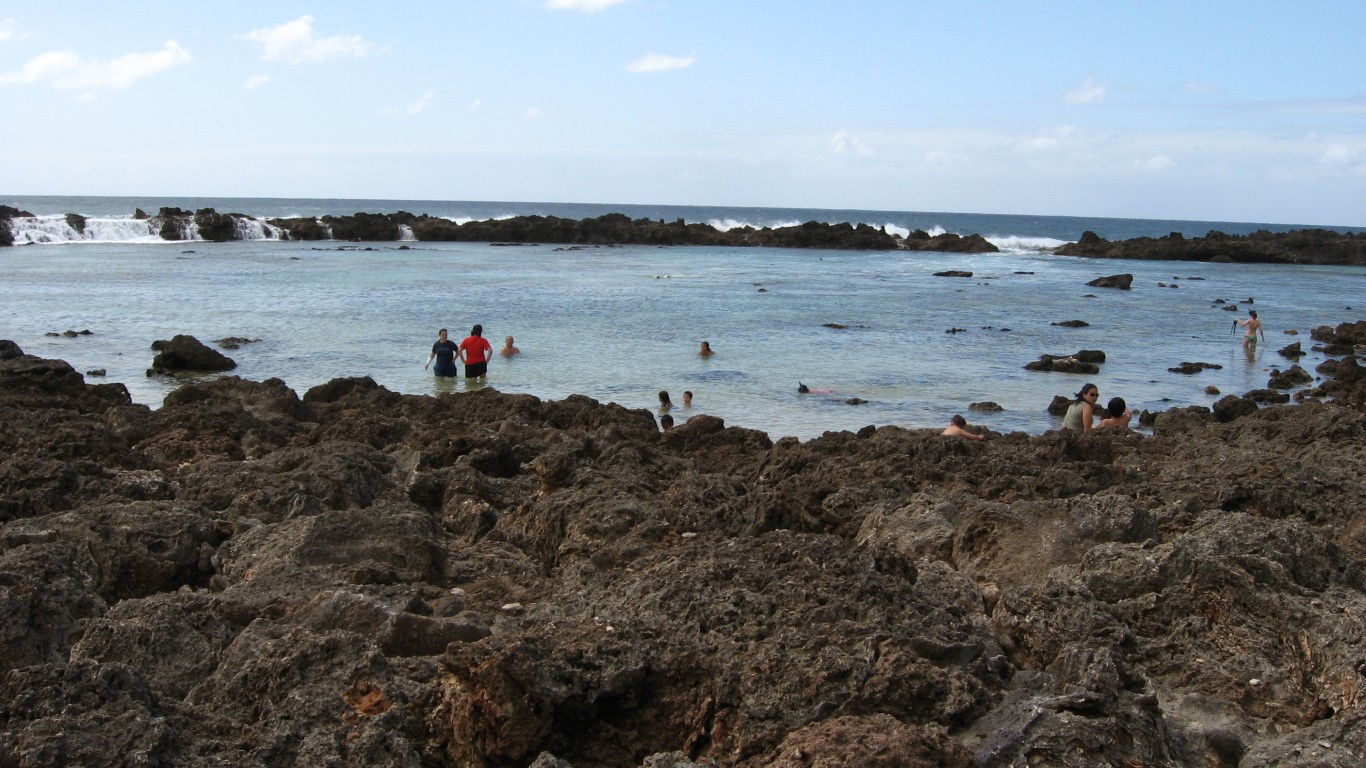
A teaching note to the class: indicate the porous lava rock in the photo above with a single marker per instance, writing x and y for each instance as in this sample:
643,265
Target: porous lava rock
245,576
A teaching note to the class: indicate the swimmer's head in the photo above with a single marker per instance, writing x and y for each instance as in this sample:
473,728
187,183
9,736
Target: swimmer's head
802,388
1252,313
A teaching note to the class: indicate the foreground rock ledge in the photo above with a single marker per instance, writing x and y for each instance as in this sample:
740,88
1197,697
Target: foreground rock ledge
356,577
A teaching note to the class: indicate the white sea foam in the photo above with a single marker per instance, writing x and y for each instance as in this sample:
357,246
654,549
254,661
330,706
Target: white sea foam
726,225
1016,244
55,230
405,234
896,231
252,229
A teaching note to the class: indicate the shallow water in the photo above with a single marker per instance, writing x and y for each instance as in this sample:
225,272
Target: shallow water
621,323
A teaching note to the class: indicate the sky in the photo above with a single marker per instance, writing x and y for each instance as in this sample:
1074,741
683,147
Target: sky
1245,111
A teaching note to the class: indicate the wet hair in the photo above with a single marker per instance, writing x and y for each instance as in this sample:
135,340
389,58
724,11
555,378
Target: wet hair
477,330
958,420
1115,407
666,421
664,398
1252,313
1084,389
802,388
687,393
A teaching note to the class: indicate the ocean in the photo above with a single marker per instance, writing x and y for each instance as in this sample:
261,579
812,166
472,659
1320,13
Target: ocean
876,335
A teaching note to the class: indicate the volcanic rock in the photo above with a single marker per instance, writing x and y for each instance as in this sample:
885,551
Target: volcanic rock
1085,361
186,353
249,577
1189,368
1305,246
1123,282
1293,377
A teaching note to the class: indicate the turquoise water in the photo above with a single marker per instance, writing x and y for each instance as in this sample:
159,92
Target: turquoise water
621,323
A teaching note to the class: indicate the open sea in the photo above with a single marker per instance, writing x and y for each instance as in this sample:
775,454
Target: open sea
619,324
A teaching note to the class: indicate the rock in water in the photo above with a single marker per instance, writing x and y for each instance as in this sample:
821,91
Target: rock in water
186,353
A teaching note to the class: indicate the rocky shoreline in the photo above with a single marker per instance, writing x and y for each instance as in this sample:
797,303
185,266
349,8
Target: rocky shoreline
1307,246
248,577
1303,246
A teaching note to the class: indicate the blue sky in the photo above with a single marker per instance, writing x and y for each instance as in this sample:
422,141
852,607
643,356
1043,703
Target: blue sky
1247,111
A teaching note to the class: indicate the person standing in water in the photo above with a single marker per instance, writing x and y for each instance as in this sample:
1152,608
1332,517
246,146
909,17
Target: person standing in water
706,350
474,353
1253,326
508,349
444,351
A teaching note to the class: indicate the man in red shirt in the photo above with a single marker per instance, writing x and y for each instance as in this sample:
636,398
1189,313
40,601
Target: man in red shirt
474,353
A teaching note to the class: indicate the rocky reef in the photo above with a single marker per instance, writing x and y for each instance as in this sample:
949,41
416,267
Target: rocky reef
356,577
1301,246
8,212
175,224
619,229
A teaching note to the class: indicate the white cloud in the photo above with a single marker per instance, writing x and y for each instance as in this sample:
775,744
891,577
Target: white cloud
534,114
256,81
6,29
1157,163
414,107
587,6
658,62
68,71
1339,154
1088,93
476,105
844,144
1039,144
295,43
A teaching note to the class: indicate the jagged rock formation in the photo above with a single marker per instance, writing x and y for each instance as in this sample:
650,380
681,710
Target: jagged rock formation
356,577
